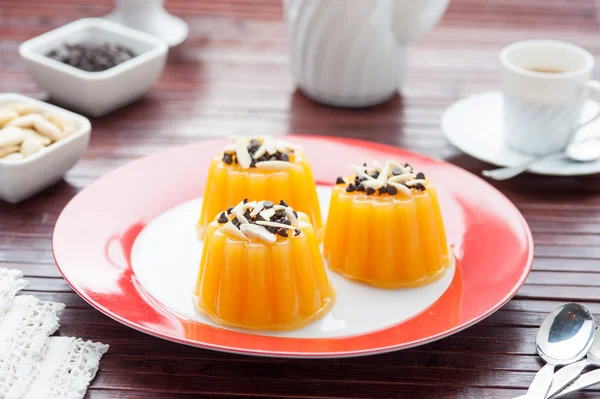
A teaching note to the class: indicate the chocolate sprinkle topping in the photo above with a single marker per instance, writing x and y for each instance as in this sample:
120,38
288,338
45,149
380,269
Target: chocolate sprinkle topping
223,218
282,232
227,159
369,179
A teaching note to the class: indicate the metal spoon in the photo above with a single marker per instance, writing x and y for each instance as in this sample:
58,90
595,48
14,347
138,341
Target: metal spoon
567,374
581,151
564,337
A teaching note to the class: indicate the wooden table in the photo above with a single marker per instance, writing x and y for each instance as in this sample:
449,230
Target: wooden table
232,75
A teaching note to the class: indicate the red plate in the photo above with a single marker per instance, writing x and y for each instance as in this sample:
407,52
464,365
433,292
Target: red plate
94,235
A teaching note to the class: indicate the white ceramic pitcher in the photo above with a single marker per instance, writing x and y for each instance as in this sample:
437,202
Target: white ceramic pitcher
353,53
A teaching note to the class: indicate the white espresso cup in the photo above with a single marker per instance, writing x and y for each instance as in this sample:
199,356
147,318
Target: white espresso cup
545,85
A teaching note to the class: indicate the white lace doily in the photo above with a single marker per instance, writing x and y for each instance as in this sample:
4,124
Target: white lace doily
34,365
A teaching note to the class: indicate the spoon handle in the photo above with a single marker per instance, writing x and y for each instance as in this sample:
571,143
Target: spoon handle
566,375
541,383
512,171
586,380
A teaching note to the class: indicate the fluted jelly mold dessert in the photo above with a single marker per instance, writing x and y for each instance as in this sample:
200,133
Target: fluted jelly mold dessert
385,227
260,168
261,268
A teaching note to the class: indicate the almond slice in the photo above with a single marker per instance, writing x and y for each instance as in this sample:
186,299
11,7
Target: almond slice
4,151
274,165
27,121
402,178
46,128
383,174
11,136
232,231
275,224
241,153
32,133
7,115
401,188
288,146
259,232
289,212
398,165
259,207
267,213
269,144
262,150
30,146
238,212
359,171
375,183
229,149
377,166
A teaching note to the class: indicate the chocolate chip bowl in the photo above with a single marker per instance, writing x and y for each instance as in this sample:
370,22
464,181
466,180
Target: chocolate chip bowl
95,66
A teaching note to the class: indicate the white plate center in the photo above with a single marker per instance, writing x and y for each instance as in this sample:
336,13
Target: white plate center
166,258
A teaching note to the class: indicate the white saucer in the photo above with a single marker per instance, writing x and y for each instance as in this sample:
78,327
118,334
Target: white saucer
475,125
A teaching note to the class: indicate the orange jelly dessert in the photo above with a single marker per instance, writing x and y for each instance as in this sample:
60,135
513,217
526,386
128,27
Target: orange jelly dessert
385,227
261,268
260,168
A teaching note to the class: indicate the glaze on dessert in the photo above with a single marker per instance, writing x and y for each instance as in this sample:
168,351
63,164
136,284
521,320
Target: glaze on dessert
261,268
260,168
385,227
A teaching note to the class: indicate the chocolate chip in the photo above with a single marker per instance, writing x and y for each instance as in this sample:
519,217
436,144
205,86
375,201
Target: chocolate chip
245,200
223,218
287,222
350,188
396,171
227,159
282,232
235,220
295,213
420,187
365,164
267,204
340,180
391,190
91,57
284,158
297,232
247,214
282,203
272,229
382,190
253,163
420,176
280,213
375,175
259,218
370,191
360,187
254,143
407,165
229,210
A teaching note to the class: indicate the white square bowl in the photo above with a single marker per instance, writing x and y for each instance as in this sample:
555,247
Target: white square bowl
95,93
23,178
